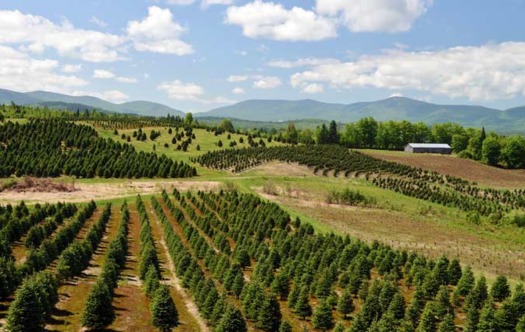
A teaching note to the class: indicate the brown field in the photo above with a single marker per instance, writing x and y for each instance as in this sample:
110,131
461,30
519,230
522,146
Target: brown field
451,165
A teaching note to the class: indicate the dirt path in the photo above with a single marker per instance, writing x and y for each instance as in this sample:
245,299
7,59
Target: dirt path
183,301
73,293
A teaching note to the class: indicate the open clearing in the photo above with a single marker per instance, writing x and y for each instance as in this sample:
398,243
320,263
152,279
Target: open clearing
104,191
451,165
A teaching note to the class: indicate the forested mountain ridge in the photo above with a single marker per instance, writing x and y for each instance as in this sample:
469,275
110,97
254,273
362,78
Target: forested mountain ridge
61,101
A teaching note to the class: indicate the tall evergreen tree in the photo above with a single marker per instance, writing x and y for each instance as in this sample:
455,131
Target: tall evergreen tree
269,317
323,318
98,312
231,321
165,315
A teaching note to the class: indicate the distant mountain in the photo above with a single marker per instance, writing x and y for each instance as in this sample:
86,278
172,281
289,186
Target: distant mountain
395,108
61,101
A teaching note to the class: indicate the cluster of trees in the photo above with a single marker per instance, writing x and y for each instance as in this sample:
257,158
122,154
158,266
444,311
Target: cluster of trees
319,275
413,182
54,147
75,258
472,143
19,220
98,311
163,311
214,306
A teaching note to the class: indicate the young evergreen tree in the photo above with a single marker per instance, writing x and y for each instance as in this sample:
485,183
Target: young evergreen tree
26,313
323,318
447,324
500,289
285,326
428,320
397,306
346,304
487,319
98,312
521,325
269,317
454,272
231,321
165,315
302,306
442,300
466,282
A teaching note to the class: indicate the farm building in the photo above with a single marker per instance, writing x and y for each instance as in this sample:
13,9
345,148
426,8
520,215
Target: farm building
428,148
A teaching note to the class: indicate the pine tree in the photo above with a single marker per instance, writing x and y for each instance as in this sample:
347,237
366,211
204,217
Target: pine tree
346,304
397,306
231,321
442,300
98,312
165,315
447,325
466,282
293,296
487,320
323,318
285,326
281,286
302,306
428,320
269,317
454,272
500,289
26,313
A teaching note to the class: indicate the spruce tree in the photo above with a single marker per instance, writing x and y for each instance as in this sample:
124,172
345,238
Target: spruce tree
165,315
269,317
447,325
466,282
231,321
323,318
521,325
98,312
302,306
500,289
454,272
397,306
442,300
285,326
487,319
428,320
26,313
346,304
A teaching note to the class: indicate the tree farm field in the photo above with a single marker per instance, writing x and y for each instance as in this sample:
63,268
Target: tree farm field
231,240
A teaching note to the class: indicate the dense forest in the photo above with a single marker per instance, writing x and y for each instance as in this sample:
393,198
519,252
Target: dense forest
367,133
55,147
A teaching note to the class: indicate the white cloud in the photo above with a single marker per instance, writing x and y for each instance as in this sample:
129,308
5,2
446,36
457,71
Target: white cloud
36,34
487,72
107,75
270,20
238,91
375,15
237,78
304,62
207,3
181,91
158,33
266,82
103,74
114,96
313,88
18,71
98,22
71,68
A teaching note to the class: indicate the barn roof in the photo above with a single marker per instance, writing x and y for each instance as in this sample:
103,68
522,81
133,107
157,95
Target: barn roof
429,145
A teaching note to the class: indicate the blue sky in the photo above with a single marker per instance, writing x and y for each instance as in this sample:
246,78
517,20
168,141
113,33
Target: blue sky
196,55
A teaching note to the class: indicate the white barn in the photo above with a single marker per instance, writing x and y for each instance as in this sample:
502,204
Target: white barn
428,148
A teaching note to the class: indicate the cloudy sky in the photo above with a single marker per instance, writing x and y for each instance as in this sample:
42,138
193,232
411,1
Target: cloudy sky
195,55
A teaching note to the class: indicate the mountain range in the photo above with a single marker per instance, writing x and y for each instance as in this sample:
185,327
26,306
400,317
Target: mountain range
395,108
61,101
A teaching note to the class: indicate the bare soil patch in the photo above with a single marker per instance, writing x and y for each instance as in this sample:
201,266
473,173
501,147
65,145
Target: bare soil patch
102,191
278,168
454,166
